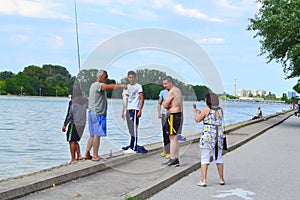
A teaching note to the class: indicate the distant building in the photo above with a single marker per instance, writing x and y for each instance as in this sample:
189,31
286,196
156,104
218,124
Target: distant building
259,92
244,93
248,92
291,94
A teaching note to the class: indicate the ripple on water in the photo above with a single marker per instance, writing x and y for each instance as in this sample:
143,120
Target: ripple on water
31,138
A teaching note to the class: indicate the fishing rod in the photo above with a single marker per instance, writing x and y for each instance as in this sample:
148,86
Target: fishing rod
77,35
245,113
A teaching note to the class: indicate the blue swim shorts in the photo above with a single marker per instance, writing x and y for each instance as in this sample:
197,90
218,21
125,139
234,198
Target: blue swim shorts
97,124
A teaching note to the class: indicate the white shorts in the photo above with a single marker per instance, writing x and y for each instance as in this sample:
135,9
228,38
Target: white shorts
206,154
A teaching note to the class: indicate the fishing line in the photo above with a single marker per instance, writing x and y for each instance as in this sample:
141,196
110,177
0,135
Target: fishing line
244,113
77,35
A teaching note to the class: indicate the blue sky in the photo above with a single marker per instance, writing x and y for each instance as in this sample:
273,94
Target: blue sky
41,32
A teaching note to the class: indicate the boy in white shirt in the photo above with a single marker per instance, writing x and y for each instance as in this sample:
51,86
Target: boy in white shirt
134,108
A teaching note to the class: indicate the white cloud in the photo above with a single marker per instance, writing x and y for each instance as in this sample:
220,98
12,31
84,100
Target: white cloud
194,13
19,38
147,9
59,41
225,4
235,8
116,11
211,41
27,8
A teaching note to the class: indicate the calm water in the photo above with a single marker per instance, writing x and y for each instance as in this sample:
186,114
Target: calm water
31,137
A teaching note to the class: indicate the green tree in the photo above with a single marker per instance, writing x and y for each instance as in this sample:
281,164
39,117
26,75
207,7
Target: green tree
200,92
53,70
270,96
151,80
85,78
61,91
38,78
297,86
20,82
277,24
57,79
35,71
146,76
33,80
151,90
110,92
284,97
2,87
6,75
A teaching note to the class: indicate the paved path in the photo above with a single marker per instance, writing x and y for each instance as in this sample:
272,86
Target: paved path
131,175
265,168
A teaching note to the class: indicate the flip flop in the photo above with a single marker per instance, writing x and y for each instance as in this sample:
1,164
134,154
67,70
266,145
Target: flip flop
88,158
98,159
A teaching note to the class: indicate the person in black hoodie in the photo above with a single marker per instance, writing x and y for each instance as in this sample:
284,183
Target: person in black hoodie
76,120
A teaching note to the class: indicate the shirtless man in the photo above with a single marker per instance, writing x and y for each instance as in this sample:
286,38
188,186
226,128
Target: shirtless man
173,105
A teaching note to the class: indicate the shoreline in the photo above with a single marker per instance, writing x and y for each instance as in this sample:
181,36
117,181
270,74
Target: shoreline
23,185
190,137
49,141
237,101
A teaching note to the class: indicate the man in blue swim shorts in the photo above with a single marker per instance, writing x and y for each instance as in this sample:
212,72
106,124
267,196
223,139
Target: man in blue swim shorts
97,112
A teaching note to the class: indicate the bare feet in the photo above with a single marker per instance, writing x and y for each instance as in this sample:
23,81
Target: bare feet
79,157
73,161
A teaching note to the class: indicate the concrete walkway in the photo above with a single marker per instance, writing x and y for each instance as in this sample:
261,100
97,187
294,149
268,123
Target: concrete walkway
123,176
265,168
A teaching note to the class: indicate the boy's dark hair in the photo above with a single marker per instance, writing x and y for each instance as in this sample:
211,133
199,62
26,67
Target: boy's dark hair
211,99
131,73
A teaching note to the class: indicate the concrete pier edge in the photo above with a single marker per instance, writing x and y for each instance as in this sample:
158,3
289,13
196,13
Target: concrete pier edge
23,185
147,192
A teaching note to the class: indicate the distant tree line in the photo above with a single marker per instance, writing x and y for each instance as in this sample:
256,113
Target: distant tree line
151,80
55,80
48,80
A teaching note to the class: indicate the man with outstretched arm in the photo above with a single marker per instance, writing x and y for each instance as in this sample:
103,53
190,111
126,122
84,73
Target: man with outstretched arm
97,112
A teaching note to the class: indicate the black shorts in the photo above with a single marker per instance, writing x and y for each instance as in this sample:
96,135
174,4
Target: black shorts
174,123
72,133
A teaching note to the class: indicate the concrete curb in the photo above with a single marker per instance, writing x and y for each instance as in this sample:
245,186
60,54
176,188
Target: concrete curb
24,185
147,192
235,146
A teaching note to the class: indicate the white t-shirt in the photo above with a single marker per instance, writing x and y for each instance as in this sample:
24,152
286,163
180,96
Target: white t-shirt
134,97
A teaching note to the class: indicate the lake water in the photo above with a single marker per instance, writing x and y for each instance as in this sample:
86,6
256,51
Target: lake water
31,138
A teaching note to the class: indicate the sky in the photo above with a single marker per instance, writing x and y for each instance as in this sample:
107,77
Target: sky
199,42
